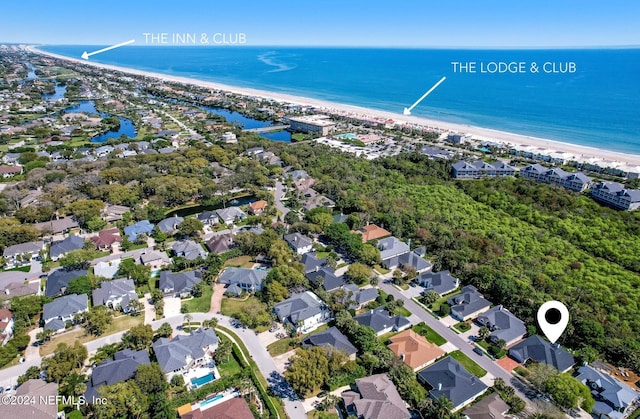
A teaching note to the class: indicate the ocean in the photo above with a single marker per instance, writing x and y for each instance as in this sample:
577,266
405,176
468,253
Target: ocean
597,104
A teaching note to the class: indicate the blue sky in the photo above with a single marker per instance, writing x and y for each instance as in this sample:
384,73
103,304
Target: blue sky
416,23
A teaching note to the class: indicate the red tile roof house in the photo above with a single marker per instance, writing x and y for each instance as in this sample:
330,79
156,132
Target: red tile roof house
6,325
257,208
106,238
9,171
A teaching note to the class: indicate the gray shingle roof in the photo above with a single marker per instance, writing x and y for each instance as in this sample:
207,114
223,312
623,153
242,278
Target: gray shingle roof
170,225
326,274
332,337
448,378
248,278
171,353
188,249
614,393
121,368
230,214
539,350
65,306
59,279
502,324
298,241
376,398
120,288
468,301
298,307
380,319
179,281
67,245
221,243
23,248
441,282
391,246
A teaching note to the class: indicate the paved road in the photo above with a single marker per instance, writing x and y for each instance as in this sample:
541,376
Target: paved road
453,338
293,406
279,193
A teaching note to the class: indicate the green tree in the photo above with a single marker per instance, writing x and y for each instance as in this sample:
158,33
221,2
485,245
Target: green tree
483,333
96,224
164,331
274,292
359,273
65,360
97,320
30,374
568,392
77,259
150,378
74,385
308,370
138,337
85,209
79,285
430,297
223,351
124,400
190,227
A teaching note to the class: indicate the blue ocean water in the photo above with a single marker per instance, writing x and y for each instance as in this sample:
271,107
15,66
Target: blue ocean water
597,105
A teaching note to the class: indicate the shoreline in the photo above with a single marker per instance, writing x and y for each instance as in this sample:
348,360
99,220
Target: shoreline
580,153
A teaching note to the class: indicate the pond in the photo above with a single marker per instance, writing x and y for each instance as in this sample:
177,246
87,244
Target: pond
89,106
197,209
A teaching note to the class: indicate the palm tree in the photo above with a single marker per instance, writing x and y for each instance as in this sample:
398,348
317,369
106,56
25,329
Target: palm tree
484,333
187,318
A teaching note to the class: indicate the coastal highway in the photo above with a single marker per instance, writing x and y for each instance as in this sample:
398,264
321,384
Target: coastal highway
453,338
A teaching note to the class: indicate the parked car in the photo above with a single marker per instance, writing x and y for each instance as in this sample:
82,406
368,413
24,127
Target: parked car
478,351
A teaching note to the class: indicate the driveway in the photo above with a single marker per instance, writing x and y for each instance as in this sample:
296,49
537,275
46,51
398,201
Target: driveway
32,352
266,338
281,360
149,310
172,306
216,298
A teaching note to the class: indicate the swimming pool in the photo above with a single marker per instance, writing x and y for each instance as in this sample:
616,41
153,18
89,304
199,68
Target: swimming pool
207,402
197,382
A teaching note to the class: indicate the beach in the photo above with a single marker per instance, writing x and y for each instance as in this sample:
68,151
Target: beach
597,156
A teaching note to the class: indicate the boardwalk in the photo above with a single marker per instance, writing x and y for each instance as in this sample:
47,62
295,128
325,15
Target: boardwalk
268,129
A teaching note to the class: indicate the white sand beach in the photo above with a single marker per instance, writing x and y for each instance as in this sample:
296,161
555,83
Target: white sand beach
581,153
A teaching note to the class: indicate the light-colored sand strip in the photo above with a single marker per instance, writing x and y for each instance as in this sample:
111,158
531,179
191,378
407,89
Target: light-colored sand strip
582,153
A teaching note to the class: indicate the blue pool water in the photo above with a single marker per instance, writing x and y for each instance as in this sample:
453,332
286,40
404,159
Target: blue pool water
211,400
197,382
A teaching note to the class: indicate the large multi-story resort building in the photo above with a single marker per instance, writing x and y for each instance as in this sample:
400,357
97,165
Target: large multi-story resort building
313,124
576,182
616,195
480,169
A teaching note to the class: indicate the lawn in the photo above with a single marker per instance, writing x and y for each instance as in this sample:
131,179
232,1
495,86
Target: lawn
200,304
468,364
385,337
234,306
317,414
462,326
381,270
402,311
117,325
240,262
322,255
430,334
282,346
26,268
436,306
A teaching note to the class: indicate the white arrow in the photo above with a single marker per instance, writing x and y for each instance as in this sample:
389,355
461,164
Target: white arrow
407,111
85,55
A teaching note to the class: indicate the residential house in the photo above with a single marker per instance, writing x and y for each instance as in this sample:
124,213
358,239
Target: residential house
298,175
6,325
60,226
231,215
121,368
248,280
208,218
18,284
11,158
301,244
257,207
382,321
333,338
357,297
179,284
188,249
112,213
616,195
614,399
24,253
221,243
490,407
414,350
104,150
227,408
391,249
10,171
229,138
115,294
468,304
480,169
57,313
141,227
40,394
441,282
503,325
106,239
371,232
169,226
107,269
58,281
448,378
436,152
155,260
61,248
536,349
182,353
321,274
375,397
304,311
